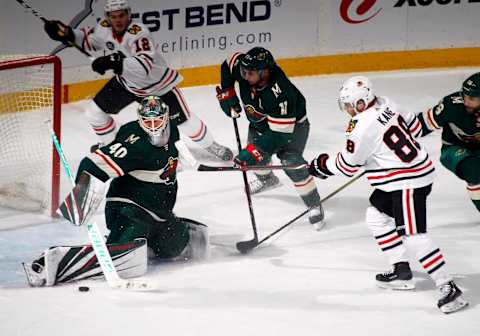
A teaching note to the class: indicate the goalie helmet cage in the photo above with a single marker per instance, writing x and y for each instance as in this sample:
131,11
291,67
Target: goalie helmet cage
30,95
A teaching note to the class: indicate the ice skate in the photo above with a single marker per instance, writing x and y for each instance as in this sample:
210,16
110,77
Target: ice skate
398,278
316,217
221,152
263,183
451,299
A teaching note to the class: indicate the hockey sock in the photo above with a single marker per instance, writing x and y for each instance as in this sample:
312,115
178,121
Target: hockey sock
197,131
429,256
385,232
102,123
308,192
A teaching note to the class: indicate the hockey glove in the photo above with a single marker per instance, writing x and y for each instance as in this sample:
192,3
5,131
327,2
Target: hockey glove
113,61
229,102
248,156
318,167
59,31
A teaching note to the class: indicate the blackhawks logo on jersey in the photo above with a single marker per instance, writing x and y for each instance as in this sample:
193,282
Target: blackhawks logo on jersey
169,172
134,29
105,23
351,126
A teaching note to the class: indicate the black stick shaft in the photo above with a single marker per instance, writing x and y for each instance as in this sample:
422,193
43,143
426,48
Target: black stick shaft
245,182
207,168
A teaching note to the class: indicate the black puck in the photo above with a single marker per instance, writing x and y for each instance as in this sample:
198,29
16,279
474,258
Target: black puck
83,288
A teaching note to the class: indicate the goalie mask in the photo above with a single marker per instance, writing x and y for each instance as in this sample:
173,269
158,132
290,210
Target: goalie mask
154,118
356,95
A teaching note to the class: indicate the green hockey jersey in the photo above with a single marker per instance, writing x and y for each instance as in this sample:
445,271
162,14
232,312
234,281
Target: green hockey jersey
273,110
143,174
459,127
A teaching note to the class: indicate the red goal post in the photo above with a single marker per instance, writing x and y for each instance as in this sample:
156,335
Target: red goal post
30,95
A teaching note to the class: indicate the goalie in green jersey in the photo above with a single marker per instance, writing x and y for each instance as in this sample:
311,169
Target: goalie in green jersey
278,123
458,115
141,163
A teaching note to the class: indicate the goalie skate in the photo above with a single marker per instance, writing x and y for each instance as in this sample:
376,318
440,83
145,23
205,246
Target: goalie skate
399,278
451,299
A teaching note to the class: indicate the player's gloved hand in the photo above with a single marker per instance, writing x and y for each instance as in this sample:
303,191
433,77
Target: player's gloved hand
229,102
113,61
59,31
318,167
248,156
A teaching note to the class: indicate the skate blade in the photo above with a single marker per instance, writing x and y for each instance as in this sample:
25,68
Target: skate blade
397,285
319,225
275,186
456,305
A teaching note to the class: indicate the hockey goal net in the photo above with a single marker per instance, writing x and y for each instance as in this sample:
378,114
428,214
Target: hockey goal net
30,96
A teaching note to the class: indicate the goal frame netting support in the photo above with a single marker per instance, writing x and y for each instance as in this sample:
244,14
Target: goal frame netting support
28,61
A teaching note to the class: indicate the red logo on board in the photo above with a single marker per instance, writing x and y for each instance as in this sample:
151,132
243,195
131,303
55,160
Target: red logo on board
358,12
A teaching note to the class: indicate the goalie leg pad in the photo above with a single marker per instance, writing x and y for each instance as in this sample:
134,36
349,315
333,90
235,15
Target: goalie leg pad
62,264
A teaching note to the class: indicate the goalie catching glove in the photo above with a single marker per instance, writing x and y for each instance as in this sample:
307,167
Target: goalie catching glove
248,156
229,101
113,61
318,167
59,31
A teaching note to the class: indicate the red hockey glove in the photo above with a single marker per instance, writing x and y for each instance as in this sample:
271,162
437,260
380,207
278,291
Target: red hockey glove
248,156
229,101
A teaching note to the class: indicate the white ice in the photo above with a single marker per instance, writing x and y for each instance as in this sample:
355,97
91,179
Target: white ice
302,283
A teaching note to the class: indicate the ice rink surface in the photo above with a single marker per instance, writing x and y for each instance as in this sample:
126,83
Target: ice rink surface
302,283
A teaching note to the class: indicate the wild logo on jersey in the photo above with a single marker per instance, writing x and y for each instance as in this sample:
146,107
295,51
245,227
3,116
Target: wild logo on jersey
252,113
467,138
168,174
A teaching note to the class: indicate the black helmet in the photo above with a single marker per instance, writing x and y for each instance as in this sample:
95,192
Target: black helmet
258,58
471,85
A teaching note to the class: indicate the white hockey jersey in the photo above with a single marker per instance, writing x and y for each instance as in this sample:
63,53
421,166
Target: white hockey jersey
145,71
381,140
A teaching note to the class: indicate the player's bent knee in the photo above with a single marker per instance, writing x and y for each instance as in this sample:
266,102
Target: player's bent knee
377,220
95,115
198,247
469,171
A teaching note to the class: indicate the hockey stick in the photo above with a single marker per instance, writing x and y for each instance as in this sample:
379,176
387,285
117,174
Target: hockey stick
41,17
98,243
246,246
187,156
207,168
247,190
86,11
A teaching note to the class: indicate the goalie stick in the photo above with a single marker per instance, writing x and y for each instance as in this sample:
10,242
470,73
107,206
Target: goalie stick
248,245
35,13
98,243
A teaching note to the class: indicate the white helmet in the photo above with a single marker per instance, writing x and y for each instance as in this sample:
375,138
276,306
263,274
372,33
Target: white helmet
354,90
114,5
